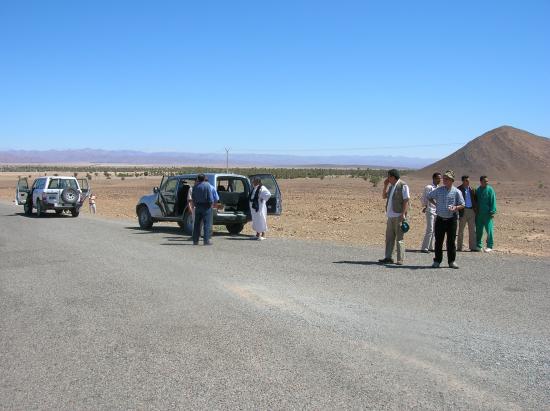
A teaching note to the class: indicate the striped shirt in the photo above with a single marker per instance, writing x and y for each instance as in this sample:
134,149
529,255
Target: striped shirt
445,198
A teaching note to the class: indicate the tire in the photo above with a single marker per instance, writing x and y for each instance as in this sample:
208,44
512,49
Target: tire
75,212
144,218
187,224
27,207
69,195
39,209
234,228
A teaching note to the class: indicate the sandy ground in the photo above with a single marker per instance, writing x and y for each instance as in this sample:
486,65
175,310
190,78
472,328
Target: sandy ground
347,210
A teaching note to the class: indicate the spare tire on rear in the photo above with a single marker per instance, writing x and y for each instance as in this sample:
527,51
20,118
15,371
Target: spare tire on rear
69,195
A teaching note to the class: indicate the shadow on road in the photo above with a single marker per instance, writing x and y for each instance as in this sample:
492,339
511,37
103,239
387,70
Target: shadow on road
44,215
410,267
179,231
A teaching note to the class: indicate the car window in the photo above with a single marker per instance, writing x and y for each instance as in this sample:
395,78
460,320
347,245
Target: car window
237,186
68,183
170,186
40,183
270,184
54,183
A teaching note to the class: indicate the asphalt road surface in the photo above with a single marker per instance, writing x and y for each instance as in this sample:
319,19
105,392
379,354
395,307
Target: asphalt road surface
98,314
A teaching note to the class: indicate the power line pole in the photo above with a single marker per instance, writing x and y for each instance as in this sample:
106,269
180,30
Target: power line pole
227,159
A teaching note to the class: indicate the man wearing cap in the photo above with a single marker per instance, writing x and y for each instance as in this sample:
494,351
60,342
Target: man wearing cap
448,202
397,204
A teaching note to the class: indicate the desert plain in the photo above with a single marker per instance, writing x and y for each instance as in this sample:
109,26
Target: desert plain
343,210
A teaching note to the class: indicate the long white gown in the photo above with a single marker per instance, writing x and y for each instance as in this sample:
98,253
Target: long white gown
259,218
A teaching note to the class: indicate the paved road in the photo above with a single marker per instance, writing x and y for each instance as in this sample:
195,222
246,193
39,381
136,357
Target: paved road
98,314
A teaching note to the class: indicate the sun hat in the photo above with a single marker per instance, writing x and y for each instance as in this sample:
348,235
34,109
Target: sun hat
450,174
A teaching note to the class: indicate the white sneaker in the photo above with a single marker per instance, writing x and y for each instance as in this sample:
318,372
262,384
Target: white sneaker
488,250
261,238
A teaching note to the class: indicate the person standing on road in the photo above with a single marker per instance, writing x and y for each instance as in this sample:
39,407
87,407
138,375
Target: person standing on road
487,208
429,210
215,199
202,202
258,207
448,202
397,205
91,203
467,216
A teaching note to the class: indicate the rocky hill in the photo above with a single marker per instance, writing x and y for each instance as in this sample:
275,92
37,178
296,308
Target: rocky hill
505,153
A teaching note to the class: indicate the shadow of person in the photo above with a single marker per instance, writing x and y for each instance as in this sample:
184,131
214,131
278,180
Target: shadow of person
410,267
358,262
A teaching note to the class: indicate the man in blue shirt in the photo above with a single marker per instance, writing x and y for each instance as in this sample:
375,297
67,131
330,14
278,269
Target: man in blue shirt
448,202
202,200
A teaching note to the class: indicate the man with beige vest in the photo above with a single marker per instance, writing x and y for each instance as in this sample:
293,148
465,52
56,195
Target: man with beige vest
397,205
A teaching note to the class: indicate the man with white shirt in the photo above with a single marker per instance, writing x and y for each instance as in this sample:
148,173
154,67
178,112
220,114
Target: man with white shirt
396,193
429,210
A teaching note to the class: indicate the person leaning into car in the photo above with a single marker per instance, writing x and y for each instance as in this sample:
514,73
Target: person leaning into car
202,201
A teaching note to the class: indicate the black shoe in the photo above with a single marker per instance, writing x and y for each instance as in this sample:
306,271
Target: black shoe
453,265
195,243
424,251
208,243
386,261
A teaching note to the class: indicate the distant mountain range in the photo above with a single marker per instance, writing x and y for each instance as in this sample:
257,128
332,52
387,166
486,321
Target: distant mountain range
91,156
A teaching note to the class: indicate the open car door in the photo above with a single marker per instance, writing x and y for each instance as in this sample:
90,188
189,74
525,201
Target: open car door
22,191
167,195
84,186
275,203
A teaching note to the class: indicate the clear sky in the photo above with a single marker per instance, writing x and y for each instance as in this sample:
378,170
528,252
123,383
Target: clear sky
413,78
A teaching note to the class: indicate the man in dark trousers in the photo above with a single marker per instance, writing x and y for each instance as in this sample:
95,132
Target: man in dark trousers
448,202
202,200
467,216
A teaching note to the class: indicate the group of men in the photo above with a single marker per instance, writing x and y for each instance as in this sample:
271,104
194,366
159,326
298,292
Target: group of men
448,210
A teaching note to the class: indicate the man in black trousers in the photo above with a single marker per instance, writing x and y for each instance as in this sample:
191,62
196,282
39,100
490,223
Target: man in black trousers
448,202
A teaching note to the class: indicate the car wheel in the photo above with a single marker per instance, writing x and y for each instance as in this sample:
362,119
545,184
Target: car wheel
39,209
27,208
75,212
234,228
69,195
144,218
187,224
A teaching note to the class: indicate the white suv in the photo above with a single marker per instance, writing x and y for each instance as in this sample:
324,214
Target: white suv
52,193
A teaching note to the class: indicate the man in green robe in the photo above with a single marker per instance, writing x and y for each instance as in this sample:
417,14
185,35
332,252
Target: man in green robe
487,208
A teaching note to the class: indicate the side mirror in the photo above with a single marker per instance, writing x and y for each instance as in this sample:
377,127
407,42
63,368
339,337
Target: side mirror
155,190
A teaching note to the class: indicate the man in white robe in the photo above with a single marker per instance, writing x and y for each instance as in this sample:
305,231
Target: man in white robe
258,208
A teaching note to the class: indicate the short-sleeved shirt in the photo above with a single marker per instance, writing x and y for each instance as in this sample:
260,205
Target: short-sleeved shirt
215,195
389,211
445,198
202,195
424,200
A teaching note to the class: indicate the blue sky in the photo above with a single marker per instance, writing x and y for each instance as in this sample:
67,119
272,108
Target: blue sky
306,77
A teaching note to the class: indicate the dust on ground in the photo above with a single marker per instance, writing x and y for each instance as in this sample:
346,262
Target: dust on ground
346,210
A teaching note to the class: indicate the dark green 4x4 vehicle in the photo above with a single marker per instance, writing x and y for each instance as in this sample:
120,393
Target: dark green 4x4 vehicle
168,202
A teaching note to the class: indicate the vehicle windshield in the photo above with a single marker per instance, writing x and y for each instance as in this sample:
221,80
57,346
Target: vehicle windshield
63,183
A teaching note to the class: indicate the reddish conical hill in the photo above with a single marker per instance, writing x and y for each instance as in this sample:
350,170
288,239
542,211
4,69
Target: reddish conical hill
505,153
